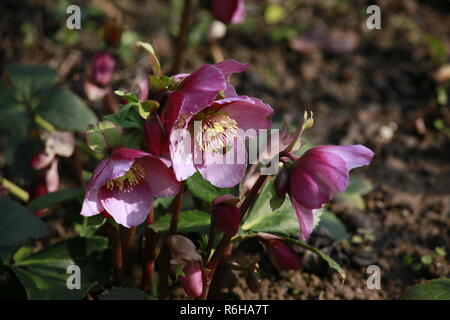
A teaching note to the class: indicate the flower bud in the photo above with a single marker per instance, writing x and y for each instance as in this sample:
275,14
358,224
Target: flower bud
229,11
281,254
192,282
226,215
182,249
102,68
282,182
154,135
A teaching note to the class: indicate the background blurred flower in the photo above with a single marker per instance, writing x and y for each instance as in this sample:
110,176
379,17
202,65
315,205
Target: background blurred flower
229,11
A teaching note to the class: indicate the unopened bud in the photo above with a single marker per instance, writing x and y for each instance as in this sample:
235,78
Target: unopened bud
154,135
192,282
226,214
280,253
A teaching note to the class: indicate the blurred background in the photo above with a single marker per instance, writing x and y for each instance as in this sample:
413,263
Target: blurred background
387,89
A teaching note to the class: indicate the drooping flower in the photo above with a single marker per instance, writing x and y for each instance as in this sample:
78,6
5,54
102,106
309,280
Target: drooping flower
280,253
125,184
318,175
182,249
226,214
229,11
204,130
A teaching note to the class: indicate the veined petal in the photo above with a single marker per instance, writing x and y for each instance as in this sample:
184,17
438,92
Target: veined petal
91,203
181,152
221,171
317,177
109,169
160,178
128,207
249,113
354,155
305,218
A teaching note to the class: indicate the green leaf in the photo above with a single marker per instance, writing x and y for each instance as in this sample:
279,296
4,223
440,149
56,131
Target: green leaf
356,189
44,274
14,120
261,217
282,221
31,80
161,83
333,264
66,111
125,294
127,117
104,136
438,289
89,225
18,224
204,190
154,62
52,198
189,221
329,221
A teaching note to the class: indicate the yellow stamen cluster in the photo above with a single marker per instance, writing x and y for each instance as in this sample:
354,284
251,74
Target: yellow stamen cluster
218,130
129,179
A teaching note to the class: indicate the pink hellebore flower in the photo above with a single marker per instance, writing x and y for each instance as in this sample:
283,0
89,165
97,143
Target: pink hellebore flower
318,175
216,124
229,11
125,184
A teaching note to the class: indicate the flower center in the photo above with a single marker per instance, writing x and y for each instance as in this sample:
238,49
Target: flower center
217,131
129,179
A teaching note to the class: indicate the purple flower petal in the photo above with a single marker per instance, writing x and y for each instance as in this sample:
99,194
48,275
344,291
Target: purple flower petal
305,218
181,153
354,155
109,169
160,178
249,113
317,177
91,203
128,207
221,174
229,11
192,282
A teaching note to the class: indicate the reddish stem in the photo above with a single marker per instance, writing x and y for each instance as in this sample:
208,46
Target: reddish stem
163,287
117,258
150,253
182,37
211,266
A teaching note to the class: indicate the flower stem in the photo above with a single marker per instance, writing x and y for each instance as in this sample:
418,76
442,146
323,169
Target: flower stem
117,257
182,37
15,190
150,253
211,266
163,287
